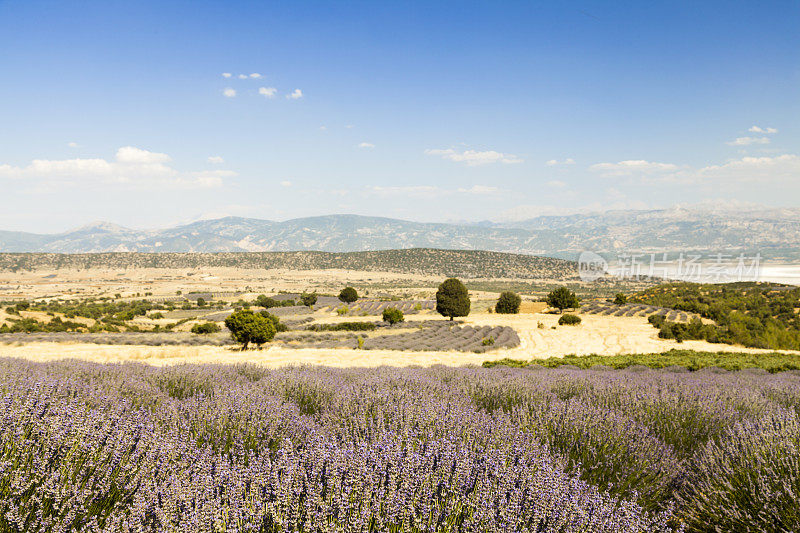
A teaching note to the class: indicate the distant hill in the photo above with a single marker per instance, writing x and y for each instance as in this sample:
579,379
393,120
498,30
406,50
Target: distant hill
773,232
460,263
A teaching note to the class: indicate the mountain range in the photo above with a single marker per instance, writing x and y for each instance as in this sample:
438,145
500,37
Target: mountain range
773,232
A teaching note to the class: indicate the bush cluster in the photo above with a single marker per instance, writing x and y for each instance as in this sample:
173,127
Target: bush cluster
569,320
205,328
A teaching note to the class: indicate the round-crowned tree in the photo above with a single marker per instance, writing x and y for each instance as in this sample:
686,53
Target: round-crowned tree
348,295
308,299
393,315
562,298
452,299
620,299
508,303
248,327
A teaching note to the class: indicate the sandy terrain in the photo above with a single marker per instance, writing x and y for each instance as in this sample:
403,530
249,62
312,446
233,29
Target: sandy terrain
596,335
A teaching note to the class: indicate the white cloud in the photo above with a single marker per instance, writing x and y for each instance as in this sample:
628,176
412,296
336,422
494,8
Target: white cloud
479,189
136,156
226,74
132,167
286,183
556,184
556,162
295,95
256,76
323,128
215,160
746,141
369,146
633,167
349,126
229,92
242,76
267,92
72,145
784,167
475,158
756,129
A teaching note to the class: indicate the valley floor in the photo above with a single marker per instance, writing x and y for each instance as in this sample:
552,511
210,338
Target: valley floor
602,335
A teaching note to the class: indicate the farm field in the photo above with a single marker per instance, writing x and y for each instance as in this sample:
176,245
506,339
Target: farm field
241,447
600,335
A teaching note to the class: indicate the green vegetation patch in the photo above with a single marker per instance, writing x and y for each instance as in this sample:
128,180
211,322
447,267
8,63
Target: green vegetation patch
688,359
759,315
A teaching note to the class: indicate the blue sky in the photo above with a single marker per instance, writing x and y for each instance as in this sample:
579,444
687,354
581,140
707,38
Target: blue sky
427,111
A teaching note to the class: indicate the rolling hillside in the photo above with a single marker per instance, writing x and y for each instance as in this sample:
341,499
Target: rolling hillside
461,263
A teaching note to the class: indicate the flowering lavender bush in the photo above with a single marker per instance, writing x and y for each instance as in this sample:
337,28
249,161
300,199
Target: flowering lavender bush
241,448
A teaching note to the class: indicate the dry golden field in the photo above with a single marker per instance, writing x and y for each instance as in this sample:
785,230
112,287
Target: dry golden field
539,338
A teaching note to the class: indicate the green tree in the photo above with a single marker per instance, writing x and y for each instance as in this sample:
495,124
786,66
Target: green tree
393,315
562,298
348,295
201,302
247,327
508,303
620,299
308,299
452,299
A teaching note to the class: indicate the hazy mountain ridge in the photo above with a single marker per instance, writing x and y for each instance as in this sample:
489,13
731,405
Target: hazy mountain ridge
776,230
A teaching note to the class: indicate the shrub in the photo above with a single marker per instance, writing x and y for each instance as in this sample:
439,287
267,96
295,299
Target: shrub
157,316
247,327
392,315
201,302
348,295
562,298
569,320
508,303
343,310
452,299
205,328
487,341
656,320
620,299
308,299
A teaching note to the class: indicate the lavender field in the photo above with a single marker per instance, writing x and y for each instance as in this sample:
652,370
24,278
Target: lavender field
87,447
